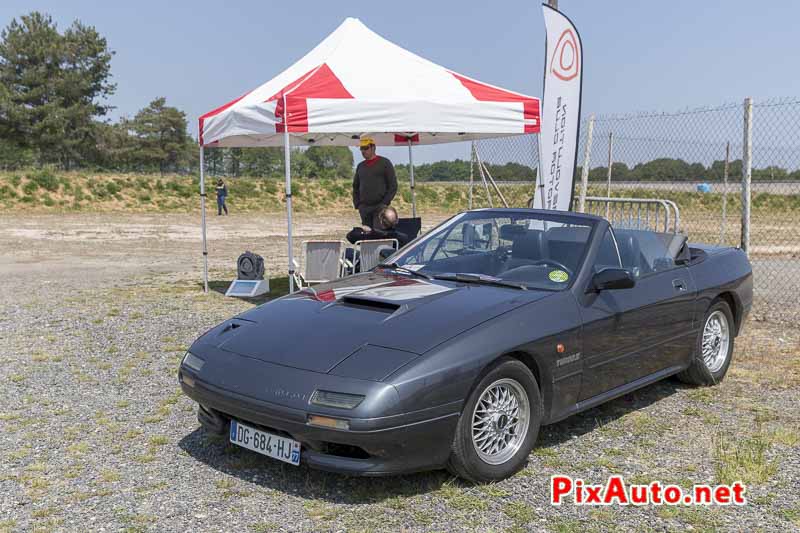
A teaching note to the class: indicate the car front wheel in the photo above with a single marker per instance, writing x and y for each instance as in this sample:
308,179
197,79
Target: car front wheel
499,424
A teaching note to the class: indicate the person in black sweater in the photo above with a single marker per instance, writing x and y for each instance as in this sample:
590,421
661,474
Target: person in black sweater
374,183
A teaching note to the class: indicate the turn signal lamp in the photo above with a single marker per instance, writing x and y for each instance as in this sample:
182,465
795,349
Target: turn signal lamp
327,422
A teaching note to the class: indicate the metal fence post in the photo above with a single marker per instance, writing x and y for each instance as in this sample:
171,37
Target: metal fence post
610,152
724,194
587,153
747,172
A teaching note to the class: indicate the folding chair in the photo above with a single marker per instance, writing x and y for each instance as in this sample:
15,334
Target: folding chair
323,261
369,252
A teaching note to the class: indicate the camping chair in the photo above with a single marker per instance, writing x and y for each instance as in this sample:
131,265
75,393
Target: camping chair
323,261
369,252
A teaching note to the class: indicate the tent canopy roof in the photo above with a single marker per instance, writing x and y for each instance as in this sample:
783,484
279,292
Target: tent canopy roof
356,82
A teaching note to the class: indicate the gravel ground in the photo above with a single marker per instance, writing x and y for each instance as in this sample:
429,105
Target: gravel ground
97,310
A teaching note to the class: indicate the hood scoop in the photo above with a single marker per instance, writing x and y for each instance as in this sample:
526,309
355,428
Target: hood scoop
372,304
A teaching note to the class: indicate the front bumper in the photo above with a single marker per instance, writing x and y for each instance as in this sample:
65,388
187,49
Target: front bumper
393,445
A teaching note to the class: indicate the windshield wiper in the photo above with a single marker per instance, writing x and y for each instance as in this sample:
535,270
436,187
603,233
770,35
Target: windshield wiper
481,279
404,270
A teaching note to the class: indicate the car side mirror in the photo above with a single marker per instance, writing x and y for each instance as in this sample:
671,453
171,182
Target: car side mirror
385,253
612,278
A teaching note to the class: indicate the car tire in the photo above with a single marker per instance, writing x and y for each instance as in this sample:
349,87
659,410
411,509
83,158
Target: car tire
714,347
505,409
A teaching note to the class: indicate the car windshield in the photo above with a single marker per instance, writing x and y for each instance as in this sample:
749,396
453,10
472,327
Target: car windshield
526,249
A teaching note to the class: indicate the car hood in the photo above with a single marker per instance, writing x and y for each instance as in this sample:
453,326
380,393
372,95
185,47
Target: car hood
318,328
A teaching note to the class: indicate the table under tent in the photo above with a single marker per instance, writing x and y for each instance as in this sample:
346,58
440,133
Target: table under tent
353,83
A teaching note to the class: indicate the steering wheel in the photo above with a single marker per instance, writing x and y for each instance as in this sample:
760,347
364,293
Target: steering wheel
553,263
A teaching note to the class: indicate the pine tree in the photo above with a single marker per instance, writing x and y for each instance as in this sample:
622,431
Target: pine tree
54,85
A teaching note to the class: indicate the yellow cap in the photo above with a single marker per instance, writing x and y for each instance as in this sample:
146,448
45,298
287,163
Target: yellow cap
366,140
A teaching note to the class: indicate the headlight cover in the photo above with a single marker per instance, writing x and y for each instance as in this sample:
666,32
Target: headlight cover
193,362
340,400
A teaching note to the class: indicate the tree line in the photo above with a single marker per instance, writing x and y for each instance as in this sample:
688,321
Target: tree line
668,169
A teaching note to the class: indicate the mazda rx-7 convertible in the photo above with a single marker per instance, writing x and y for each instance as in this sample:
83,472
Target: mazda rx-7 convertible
456,349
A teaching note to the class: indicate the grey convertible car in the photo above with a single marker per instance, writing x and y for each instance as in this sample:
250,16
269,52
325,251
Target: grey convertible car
458,348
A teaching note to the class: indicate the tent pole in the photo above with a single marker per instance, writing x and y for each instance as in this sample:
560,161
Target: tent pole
288,163
411,175
203,218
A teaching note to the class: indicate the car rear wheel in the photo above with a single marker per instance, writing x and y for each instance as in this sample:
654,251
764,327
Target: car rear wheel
714,347
499,424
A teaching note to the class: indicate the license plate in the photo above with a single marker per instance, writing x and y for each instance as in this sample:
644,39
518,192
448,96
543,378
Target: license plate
275,446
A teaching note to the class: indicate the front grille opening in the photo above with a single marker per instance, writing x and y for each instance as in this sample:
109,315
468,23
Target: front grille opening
344,450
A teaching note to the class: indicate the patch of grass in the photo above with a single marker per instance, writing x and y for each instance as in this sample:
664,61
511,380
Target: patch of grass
45,512
702,395
742,459
763,414
608,464
645,424
792,515
44,179
494,491
264,527
132,434
78,448
109,476
137,521
319,511
20,453
148,457
461,500
566,525
521,513
785,435
158,440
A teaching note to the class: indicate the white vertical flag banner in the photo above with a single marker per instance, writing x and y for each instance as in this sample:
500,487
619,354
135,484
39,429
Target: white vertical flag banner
561,111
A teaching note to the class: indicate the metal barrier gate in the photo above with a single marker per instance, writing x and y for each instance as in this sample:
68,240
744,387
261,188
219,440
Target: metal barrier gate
636,213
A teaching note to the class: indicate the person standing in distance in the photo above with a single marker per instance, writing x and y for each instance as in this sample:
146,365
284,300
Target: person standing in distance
374,184
222,194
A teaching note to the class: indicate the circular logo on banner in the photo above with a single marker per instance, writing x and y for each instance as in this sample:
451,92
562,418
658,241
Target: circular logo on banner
566,61
558,276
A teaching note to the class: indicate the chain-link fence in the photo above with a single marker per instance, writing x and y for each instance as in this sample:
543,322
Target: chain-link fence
694,158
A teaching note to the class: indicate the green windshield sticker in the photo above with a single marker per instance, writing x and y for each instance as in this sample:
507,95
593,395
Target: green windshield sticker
559,276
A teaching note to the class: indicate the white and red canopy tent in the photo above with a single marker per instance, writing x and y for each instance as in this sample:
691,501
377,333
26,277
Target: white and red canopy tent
356,82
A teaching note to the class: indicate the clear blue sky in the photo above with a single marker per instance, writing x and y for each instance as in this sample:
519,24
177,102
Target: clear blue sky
638,55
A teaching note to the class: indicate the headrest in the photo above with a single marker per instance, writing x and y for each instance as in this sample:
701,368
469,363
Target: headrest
509,232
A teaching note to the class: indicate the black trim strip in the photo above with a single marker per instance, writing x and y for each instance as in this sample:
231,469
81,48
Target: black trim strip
569,375
615,393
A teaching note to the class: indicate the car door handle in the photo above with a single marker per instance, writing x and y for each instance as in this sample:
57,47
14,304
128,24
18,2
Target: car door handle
679,285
